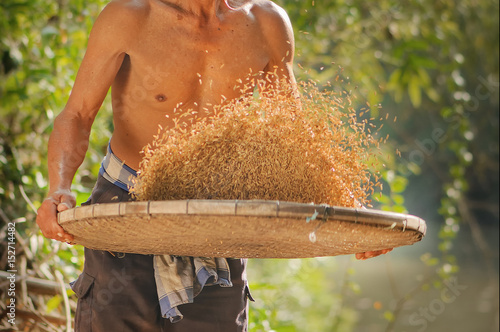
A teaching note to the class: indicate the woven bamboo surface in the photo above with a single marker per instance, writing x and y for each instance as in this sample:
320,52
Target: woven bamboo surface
243,229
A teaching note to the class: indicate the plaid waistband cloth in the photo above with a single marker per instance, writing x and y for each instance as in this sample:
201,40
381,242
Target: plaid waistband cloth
116,171
178,279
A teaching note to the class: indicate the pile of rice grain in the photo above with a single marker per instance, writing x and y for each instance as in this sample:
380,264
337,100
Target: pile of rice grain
275,147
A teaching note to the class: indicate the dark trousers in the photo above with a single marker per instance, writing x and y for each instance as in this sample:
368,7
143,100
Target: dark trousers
117,292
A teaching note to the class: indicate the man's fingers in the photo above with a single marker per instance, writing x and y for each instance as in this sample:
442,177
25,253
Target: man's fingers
60,234
360,256
47,221
371,254
63,206
67,201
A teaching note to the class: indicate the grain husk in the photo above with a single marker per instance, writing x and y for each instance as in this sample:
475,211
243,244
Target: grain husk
306,147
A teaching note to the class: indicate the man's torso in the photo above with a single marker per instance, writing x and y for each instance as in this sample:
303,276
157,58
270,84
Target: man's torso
182,62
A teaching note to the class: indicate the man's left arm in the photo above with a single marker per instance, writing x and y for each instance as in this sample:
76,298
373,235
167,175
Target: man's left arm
280,44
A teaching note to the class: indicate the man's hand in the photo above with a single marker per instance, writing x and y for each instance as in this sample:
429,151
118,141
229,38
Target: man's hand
47,215
371,254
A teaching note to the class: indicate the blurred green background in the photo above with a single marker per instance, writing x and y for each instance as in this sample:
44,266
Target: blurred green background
428,69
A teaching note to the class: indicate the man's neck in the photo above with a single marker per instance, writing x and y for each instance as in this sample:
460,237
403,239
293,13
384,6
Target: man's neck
202,9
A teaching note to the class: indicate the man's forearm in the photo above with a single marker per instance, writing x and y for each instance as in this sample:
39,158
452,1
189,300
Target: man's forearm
67,147
68,144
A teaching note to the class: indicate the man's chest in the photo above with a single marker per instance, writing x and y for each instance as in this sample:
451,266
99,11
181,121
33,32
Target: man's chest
213,54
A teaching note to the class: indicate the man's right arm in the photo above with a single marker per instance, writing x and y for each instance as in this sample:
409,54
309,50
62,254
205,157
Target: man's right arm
109,40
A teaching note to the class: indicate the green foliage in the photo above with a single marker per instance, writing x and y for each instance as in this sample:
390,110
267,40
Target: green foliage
300,295
433,65
41,45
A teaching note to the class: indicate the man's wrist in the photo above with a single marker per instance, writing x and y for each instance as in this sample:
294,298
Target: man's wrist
51,199
59,192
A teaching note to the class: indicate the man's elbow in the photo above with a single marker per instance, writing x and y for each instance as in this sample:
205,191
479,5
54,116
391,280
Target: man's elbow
71,118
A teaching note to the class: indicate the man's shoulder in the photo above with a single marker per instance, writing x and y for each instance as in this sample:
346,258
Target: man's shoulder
130,5
130,10
119,22
272,19
266,10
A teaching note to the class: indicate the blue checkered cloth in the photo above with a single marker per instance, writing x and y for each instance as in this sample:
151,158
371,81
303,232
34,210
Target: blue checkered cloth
178,279
116,171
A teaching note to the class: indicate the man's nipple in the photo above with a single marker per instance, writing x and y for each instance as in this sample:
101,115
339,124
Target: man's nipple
161,97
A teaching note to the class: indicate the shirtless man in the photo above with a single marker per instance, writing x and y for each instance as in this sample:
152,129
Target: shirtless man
157,55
